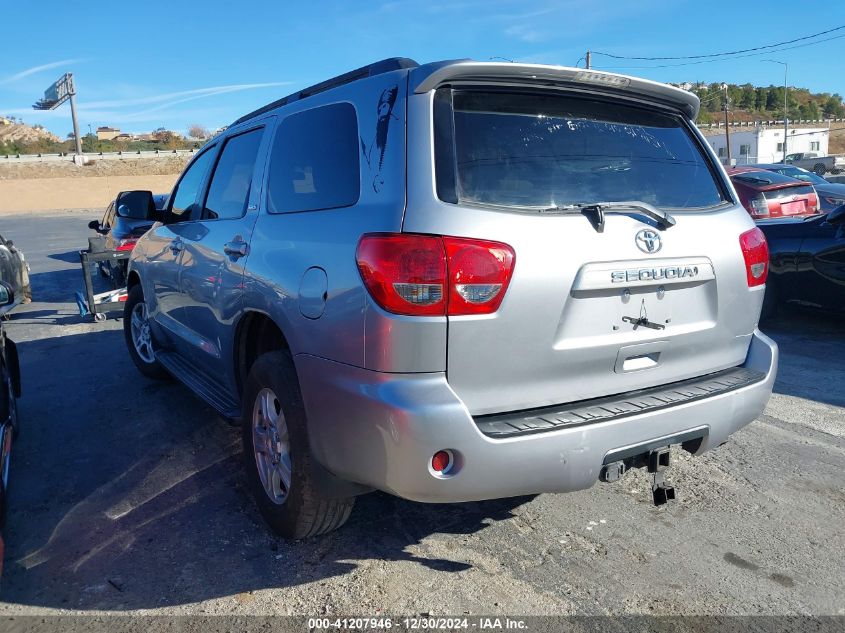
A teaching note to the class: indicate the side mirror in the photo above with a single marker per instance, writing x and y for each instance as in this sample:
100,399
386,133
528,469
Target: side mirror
94,225
7,295
137,205
837,216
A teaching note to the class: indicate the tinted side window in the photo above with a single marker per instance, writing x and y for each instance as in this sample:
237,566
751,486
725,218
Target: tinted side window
232,179
314,161
188,188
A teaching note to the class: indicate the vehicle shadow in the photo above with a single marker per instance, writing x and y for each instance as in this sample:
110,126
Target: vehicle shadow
804,337
70,257
128,494
59,286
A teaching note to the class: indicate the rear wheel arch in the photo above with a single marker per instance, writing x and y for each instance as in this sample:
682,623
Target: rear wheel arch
132,280
256,334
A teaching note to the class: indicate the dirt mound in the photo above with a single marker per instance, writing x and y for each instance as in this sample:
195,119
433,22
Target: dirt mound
24,134
160,166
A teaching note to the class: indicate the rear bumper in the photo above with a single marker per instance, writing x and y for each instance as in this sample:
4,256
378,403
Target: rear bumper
381,430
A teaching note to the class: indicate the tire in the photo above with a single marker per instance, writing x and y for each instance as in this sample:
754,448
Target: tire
118,276
273,410
8,402
820,170
145,359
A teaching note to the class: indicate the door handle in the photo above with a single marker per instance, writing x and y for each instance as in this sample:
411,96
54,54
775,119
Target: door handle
236,249
176,245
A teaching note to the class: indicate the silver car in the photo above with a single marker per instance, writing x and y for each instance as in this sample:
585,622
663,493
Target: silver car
457,281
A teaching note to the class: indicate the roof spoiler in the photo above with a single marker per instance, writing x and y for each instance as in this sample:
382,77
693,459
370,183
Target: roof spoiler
429,76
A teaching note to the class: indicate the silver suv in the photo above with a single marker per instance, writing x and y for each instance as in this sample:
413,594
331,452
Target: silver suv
457,281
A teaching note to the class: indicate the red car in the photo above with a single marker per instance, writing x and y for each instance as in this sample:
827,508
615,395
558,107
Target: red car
767,194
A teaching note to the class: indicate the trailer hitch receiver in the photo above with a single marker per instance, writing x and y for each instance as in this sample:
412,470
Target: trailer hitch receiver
658,462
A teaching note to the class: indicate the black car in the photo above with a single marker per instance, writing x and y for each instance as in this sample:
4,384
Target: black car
10,390
126,219
807,261
831,194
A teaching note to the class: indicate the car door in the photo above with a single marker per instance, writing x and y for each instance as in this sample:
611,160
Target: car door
215,253
163,254
821,265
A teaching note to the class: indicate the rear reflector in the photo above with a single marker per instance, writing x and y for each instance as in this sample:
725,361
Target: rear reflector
428,275
755,250
441,462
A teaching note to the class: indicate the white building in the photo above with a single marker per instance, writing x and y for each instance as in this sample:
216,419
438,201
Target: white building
765,144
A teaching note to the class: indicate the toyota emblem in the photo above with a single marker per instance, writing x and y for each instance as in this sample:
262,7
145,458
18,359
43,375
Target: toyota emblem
648,241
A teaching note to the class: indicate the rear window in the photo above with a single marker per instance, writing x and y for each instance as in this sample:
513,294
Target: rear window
314,161
541,150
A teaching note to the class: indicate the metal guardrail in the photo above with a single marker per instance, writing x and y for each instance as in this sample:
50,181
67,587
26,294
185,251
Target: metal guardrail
67,156
720,124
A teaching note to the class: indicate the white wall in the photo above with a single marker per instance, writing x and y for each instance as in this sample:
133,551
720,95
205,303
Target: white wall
738,139
763,144
800,140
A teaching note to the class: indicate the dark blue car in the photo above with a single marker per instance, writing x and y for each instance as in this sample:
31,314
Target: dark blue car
807,261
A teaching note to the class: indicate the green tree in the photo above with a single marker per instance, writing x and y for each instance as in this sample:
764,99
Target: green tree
747,99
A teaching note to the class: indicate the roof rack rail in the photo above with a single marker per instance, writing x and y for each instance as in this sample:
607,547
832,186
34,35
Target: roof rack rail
377,68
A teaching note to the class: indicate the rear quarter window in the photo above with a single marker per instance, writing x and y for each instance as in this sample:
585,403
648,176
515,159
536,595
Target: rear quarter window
314,161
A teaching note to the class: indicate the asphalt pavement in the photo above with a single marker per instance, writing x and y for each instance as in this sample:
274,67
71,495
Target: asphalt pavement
127,496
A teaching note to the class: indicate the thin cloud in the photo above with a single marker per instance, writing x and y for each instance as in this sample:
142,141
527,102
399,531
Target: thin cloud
183,95
37,69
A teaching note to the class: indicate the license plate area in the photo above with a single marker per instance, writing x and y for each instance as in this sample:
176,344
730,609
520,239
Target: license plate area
793,208
655,300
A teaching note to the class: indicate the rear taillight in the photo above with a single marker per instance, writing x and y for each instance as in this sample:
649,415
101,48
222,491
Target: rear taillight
125,245
759,206
427,275
405,274
755,250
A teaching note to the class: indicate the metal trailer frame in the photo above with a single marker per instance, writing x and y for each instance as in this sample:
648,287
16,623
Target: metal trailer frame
87,258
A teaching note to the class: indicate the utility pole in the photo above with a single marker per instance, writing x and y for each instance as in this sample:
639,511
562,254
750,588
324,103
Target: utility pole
588,56
75,121
727,128
785,102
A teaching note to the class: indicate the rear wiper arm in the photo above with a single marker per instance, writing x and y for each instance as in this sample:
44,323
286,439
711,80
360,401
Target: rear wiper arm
596,211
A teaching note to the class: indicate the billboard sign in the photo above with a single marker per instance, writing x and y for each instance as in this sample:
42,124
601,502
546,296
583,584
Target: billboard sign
56,94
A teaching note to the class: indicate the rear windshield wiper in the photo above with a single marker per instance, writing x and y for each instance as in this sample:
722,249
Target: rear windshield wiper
596,211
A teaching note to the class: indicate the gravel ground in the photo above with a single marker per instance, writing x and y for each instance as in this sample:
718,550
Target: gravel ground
128,497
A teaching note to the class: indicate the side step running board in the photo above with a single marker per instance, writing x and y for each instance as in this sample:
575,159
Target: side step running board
618,406
200,384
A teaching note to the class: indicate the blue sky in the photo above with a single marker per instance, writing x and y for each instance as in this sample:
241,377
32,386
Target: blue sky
141,65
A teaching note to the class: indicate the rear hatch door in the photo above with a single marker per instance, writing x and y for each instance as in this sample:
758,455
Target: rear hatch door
588,313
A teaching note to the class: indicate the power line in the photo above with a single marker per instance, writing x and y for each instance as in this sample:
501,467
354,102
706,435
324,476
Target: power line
745,50
710,61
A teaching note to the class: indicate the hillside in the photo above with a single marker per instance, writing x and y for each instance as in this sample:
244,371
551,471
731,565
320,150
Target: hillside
755,103
16,133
